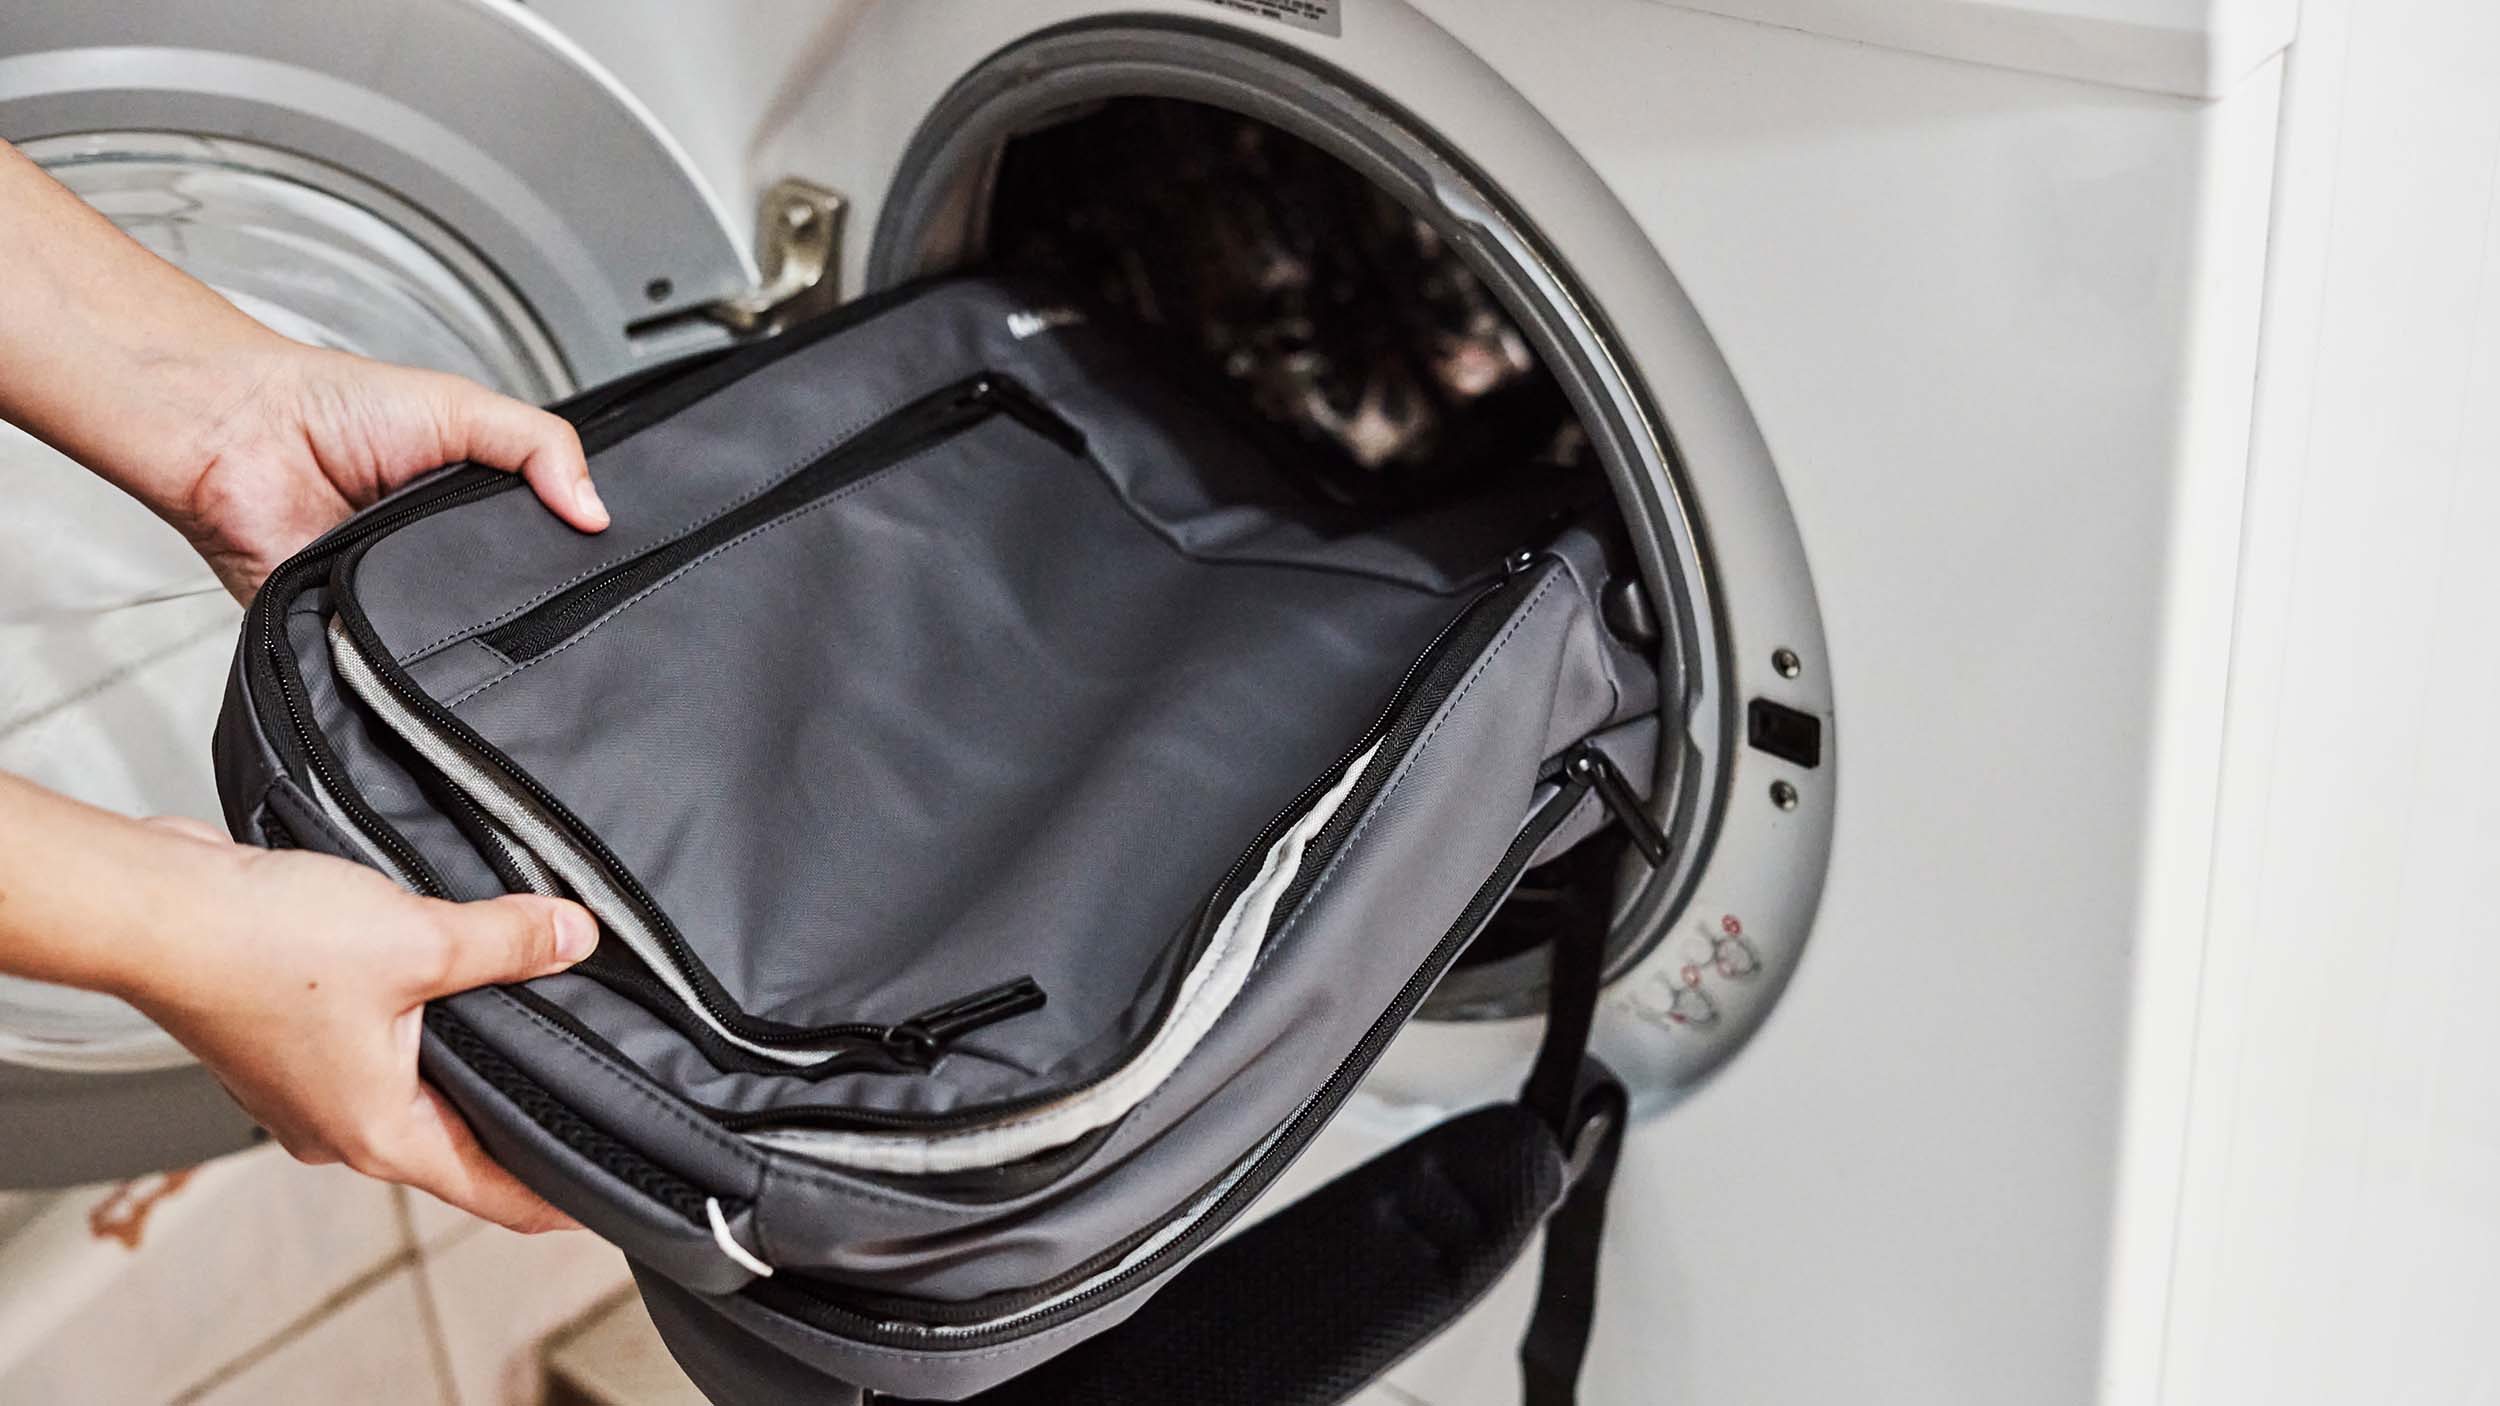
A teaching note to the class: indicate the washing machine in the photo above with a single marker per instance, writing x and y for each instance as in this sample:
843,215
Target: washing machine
1916,346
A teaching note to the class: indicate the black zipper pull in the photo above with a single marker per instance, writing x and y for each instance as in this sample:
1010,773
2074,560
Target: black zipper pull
1009,396
920,1040
1519,563
1590,765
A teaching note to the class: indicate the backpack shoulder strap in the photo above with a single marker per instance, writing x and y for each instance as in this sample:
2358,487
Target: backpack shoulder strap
1585,1107
1315,1302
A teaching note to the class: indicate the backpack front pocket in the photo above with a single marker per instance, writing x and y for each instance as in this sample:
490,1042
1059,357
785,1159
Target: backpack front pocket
865,743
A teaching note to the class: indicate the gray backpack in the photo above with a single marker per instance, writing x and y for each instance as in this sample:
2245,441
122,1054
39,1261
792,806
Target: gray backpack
1019,810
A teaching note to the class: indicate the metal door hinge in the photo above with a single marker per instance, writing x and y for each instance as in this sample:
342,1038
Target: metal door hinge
798,251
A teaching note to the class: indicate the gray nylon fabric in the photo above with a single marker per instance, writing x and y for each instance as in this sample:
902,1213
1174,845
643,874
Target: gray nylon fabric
744,440
957,836
994,710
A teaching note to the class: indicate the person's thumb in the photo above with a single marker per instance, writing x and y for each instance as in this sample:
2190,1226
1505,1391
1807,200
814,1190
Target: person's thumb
508,939
503,433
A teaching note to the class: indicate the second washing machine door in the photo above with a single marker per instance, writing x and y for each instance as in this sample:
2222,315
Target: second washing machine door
443,183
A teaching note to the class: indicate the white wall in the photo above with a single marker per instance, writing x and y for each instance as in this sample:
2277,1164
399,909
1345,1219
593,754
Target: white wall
2340,1232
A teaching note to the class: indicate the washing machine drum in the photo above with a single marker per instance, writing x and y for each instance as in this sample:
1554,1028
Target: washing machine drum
1018,809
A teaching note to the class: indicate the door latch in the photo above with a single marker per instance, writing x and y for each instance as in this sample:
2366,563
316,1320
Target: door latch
798,251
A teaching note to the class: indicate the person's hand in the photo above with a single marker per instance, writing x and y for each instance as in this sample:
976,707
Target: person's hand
249,443
301,984
316,434
298,979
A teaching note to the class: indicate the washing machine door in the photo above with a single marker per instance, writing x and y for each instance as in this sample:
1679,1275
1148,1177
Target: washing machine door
445,183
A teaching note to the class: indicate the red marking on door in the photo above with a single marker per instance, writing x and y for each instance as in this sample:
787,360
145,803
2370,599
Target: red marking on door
123,1213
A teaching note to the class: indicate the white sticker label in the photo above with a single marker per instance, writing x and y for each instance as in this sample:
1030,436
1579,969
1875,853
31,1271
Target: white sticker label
1319,16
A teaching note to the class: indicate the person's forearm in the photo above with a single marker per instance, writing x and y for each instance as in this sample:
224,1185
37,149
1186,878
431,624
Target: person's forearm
97,900
108,353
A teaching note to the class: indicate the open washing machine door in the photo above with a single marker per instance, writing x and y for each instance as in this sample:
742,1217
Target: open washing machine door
1367,237
445,183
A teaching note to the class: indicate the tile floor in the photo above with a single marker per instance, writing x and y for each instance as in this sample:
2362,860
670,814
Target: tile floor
255,1280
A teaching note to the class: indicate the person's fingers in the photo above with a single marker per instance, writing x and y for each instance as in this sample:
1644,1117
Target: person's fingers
505,939
434,1152
503,433
189,828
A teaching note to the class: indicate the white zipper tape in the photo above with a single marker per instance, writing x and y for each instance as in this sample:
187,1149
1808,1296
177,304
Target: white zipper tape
535,834
1206,993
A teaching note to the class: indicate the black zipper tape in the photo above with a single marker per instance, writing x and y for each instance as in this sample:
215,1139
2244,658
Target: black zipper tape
591,409
273,673
825,1307
690,379
1429,679
1436,677
558,1120
862,1051
950,410
923,423
602,414
1418,695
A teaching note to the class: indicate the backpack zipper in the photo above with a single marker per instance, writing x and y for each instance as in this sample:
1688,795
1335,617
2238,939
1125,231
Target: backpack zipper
950,410
460,487
921,424
1239,1186
538,829
918,1042
909,1046
1513,569
603,415
1206,1213
1221,897
1588,762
